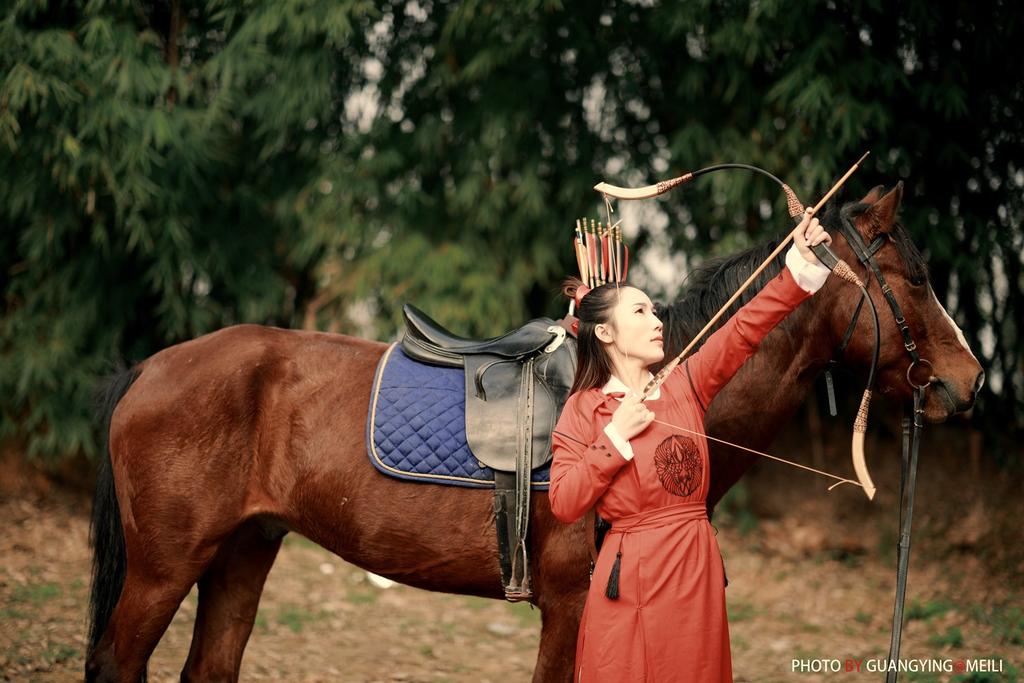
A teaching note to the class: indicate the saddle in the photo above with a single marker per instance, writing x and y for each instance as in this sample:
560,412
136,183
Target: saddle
516,385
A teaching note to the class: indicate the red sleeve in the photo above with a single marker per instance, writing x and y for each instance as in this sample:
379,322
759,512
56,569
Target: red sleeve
582,466
729,347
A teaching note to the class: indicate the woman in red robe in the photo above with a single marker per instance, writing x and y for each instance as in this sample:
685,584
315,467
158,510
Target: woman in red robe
655,610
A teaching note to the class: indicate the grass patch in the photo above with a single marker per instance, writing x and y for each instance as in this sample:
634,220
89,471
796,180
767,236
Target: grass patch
742,611
1006,622
296,618
361,597
407,626
734,509
805,626
11,613
525,613
1008,625
37,594
927,610
953,637
55,654
427,651
885,544
261,622
475,602
862,618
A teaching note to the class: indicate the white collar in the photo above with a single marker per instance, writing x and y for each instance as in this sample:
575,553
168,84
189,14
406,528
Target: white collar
616,384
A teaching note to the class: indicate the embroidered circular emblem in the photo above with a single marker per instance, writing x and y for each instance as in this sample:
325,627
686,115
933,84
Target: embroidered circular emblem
678,464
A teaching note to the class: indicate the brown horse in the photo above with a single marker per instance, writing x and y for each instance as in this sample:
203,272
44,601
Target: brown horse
221,445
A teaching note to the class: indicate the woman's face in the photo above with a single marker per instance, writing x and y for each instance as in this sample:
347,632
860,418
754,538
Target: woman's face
636,330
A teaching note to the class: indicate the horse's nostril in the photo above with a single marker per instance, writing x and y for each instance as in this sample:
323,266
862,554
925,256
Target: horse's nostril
978,382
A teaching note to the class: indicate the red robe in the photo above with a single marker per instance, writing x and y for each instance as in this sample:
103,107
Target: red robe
669,621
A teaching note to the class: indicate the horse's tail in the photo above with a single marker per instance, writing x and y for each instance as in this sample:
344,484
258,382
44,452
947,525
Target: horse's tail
106,533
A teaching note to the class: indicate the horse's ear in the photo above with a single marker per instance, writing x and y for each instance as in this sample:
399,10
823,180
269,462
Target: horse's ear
882,214
873,196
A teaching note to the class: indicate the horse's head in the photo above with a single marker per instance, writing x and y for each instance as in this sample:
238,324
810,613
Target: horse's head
955,373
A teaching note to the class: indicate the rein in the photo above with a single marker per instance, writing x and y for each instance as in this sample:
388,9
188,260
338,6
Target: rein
911,426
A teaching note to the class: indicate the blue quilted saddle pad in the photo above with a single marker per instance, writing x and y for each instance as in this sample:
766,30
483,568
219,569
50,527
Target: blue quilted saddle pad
416,428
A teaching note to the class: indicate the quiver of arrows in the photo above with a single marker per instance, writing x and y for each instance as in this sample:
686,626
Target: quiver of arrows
601,255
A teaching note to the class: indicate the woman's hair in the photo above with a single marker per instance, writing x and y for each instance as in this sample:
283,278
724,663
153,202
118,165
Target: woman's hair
593,366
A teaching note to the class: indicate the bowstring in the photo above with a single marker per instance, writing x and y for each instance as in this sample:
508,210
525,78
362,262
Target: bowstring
839,480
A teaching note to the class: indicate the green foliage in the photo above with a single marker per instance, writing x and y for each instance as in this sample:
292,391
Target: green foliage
1006,622
296,617
742,611
172,168
928,610
36,594
734,508
953,637
146,203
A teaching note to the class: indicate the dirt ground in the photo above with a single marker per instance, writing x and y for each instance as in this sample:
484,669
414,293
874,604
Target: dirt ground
809,584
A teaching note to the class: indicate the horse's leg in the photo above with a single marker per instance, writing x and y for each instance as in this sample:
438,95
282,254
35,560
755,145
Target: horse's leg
147,604
149,548
229,595
561,581
560,626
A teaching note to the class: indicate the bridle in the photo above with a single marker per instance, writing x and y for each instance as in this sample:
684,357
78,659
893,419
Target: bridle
865,253
911,426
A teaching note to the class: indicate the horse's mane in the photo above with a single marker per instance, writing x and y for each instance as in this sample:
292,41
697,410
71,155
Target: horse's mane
709,286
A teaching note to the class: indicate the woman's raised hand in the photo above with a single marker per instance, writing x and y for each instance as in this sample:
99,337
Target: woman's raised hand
809,232
632,416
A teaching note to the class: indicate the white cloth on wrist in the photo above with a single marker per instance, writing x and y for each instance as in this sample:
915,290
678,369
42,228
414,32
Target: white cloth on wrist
809,276
625,448
616,384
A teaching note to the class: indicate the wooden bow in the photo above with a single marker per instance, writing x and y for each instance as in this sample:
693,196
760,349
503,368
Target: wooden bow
841,268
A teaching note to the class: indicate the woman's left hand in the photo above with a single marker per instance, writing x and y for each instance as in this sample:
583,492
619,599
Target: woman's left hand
808,233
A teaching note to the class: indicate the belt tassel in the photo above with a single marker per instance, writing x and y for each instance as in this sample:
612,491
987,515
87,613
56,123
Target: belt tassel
612,592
